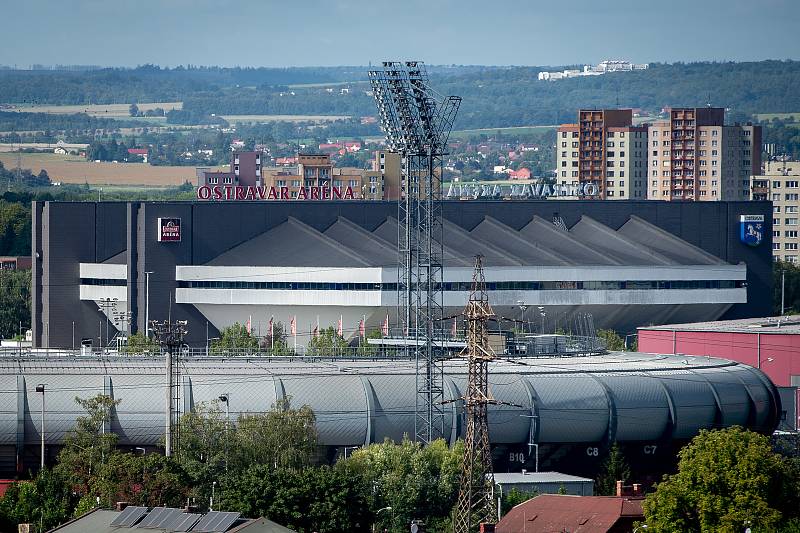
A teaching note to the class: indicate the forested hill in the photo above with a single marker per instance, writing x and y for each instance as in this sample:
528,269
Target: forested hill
493,96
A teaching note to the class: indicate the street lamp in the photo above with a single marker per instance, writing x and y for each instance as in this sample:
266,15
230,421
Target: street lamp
226,398
147,305
40,389
542,314
213,491
379,512
522,307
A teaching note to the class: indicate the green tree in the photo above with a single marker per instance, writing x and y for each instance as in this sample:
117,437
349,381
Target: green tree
149,480
201,447
138,343
416,482
727,480
89,444
791,291
233,338
15,302
44,502
134,110
282,437
276,343
323,498
327,342
614,469
515,497
614,342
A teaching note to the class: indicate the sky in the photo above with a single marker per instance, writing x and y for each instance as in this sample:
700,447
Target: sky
273,33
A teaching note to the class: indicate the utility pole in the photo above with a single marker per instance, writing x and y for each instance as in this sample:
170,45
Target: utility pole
147,304
475,498
170,336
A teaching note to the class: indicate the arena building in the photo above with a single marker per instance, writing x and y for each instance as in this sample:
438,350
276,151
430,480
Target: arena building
216,263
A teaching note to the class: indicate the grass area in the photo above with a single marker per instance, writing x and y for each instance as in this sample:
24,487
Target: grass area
95,110
522,130
75,169
233,119
793,117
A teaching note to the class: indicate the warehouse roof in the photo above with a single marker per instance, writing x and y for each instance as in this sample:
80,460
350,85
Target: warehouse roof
524,478
108,521
787,325
588,242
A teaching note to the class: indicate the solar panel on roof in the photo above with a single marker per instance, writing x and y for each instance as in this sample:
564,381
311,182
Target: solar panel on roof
216,522
158,517
129,516
184,522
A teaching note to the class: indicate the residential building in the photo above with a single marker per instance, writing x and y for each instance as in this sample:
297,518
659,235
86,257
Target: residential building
606,150
694,156
544,483
779,182
245,170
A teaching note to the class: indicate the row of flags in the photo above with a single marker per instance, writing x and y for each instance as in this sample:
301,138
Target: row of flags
362,327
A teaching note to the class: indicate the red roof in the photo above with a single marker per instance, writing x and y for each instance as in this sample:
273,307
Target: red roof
137,151
577,514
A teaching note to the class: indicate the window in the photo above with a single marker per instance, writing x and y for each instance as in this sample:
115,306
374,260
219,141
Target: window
621,173
610,174
703,182
655,133
776,209
714,133
713,143
609,183
574,154
790,258
563,134
789,246
776,197
778,233
610,193
575,144
790,221
655,183
665,153
790,209
714,153
792,196
563,173
792,234
776,222
665,173
791,184
776,246
564,144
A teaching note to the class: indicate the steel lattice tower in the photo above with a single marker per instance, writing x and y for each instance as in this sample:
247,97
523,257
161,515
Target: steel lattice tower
475,503
417,122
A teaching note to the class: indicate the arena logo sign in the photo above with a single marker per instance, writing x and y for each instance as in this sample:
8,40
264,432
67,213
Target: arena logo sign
523,191
249,192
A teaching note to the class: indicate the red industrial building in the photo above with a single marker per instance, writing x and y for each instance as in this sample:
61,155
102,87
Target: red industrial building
771,344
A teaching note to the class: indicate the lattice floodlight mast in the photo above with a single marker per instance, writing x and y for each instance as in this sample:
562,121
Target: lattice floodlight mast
417,122
475,504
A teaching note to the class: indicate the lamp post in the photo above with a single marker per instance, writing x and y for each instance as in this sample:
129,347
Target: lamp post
542,314
226,398
522,308
40,389
389,508
147,304
213,492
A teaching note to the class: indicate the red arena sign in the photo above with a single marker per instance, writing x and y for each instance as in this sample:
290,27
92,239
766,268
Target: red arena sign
169,230
241,192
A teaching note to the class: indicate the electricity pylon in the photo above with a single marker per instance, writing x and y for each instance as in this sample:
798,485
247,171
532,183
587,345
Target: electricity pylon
475,502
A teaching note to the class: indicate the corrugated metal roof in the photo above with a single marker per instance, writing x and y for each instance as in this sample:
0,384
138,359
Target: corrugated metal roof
786,325
538,477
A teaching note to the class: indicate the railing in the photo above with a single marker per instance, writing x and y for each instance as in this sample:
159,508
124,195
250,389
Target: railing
389,348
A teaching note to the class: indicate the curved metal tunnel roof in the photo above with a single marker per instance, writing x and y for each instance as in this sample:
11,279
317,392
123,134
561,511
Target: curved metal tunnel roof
619,396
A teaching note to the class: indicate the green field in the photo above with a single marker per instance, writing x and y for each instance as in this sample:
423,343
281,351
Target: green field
792,117
234,119
95,110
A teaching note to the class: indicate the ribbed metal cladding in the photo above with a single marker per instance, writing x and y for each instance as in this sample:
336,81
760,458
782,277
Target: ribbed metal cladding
627,397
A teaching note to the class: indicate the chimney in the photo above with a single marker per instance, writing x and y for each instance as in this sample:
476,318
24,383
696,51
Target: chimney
637,490
120,506
620,489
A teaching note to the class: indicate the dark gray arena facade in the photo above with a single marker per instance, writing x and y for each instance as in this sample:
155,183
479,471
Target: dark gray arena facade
646,262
